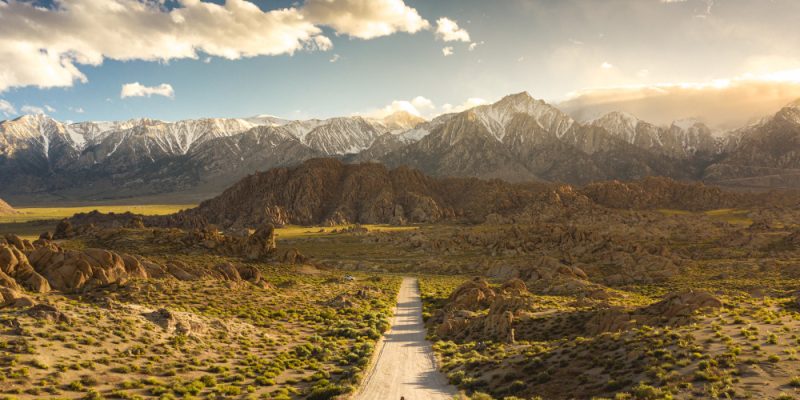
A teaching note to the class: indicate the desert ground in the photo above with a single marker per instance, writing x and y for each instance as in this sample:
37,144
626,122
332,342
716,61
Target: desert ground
608,303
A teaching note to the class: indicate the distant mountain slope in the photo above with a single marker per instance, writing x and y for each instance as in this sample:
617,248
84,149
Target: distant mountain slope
764,155
518,138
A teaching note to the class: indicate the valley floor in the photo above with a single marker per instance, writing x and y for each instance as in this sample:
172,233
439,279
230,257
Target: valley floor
610,304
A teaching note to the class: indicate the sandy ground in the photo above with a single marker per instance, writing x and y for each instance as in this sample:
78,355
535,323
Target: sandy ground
405,366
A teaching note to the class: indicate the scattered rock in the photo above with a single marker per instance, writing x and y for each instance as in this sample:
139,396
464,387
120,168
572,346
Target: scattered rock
48,313
177,323
293,256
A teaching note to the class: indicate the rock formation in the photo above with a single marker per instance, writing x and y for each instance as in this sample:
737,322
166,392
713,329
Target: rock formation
674,309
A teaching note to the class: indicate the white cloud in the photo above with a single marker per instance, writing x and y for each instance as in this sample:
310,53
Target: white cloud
77,110
7,108
365,19
49,109
29,109
419,106
136,89
447,51
335,58
606,65
470,103
422,107
448,30
43,47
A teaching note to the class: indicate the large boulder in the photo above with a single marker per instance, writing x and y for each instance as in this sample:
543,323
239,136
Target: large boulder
76,271
683,305
472,295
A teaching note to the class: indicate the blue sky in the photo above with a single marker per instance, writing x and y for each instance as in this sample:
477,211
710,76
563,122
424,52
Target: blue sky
554,49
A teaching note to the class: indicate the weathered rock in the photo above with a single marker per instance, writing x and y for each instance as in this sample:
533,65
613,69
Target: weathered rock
472,295
64,230
261,244
75,271
227,271
19,243
12,298
14,264
253,275
180,272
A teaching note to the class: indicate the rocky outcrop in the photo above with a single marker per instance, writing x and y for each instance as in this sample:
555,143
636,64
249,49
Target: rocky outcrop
674,309
64,230
472,295
258,246
261,244
15,267
78,271
177,323
462,318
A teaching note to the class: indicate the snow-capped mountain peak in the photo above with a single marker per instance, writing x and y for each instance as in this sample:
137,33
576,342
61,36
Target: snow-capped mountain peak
496,117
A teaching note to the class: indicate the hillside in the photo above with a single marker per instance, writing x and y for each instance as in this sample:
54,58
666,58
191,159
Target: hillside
6,209
328,191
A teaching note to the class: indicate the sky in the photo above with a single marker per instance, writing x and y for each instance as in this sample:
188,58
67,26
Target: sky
724,60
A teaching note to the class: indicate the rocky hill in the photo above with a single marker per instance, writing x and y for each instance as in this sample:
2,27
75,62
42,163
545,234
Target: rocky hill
328,191
665,193
6,209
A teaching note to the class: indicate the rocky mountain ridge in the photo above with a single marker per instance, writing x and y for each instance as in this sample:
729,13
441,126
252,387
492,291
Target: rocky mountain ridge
518,138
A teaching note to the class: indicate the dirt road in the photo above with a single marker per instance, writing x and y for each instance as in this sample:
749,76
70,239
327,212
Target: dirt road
405,365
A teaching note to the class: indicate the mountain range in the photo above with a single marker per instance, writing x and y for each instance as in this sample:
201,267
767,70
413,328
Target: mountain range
518,138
